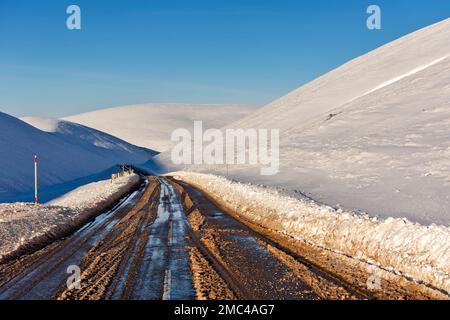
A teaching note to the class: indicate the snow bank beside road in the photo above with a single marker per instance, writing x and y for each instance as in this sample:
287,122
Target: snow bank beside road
420,252
22,222
24,226
91,195
153,124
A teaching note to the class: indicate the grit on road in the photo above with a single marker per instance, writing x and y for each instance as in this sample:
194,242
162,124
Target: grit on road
169,240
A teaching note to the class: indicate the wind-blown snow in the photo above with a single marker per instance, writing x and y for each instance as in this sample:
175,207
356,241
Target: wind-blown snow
21,223
66,151
151,125
411,249
44,124
372,135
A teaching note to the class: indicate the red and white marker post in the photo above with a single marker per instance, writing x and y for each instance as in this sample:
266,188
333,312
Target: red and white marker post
35,179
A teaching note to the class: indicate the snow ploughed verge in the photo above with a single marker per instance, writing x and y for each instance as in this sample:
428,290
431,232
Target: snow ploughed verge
398,245
24,226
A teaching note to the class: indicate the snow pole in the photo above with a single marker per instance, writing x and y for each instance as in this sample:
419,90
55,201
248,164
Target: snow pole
35,179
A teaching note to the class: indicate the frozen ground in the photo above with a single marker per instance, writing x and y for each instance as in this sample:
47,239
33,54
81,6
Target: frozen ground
151,125
66,152
21,223
372,135
407,248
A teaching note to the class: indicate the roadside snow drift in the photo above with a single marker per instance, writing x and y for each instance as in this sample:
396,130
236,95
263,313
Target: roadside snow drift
25,224
93,194
410,249
372,135
151,125
66,151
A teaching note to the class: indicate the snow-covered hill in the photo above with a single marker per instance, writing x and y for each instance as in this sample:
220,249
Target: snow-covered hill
361,76
150,125
372,135
66,152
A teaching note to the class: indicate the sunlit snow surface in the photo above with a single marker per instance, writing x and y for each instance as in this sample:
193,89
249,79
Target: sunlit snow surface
398,245
151,125
372,135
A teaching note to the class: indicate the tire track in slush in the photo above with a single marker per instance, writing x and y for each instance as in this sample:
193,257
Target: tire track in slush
165,269
162,268
242,255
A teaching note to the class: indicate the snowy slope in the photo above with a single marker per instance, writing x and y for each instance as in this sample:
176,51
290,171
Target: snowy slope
90,139
67,152
150,125
378,68
372,135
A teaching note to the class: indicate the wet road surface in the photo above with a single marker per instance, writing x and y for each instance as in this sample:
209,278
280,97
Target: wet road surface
169,241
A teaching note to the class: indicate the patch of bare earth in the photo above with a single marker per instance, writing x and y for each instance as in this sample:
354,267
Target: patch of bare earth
322,286
247,267
104,265
196,220
207,282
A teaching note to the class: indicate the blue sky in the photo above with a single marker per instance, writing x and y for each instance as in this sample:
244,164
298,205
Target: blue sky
193,51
